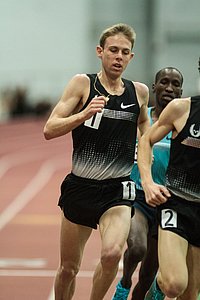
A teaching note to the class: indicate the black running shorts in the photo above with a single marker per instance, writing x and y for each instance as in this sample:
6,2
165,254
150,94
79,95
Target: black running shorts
84,201
182,217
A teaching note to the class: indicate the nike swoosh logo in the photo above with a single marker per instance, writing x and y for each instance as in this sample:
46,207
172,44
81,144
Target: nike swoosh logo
126,106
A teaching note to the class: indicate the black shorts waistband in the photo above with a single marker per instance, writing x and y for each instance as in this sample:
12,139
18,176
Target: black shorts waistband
103,181
184,201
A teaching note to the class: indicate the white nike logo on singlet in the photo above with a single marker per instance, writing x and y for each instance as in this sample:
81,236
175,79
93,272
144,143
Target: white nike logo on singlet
126,106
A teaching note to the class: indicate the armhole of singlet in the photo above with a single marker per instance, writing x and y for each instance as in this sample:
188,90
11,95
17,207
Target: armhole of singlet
90,96
131,87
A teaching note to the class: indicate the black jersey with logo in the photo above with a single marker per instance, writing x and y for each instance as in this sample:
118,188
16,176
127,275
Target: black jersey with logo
183,174
104,145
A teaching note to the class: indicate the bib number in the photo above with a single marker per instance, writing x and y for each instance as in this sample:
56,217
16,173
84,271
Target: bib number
136,151
168,218
94,121
128,190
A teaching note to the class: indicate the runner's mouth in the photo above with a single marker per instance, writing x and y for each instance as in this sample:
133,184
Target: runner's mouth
118,66
167,97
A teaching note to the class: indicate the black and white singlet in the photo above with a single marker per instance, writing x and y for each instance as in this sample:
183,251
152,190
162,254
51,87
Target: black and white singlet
183,173
104,145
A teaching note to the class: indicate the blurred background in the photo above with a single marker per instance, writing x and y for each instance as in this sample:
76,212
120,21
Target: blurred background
45,42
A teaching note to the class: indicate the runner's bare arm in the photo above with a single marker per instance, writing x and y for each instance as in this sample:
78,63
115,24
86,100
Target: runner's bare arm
156,194
67,115
142,92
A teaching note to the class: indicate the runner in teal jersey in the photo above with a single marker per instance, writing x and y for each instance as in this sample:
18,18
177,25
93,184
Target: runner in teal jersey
141,245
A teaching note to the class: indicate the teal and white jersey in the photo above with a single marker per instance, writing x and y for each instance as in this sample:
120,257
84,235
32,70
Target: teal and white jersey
161,152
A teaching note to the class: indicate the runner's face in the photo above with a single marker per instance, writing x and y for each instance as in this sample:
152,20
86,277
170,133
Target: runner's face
168,87
115,55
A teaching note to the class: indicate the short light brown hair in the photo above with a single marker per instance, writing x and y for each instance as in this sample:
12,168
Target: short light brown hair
125,29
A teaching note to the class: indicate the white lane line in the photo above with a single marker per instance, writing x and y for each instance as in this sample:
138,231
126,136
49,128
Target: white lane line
32,188
51,295
27,273
12,160
23,262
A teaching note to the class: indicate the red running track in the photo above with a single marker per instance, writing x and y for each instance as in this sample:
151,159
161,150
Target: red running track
31,170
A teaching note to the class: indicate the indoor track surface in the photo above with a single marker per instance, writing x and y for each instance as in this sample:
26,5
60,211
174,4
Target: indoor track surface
31,171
